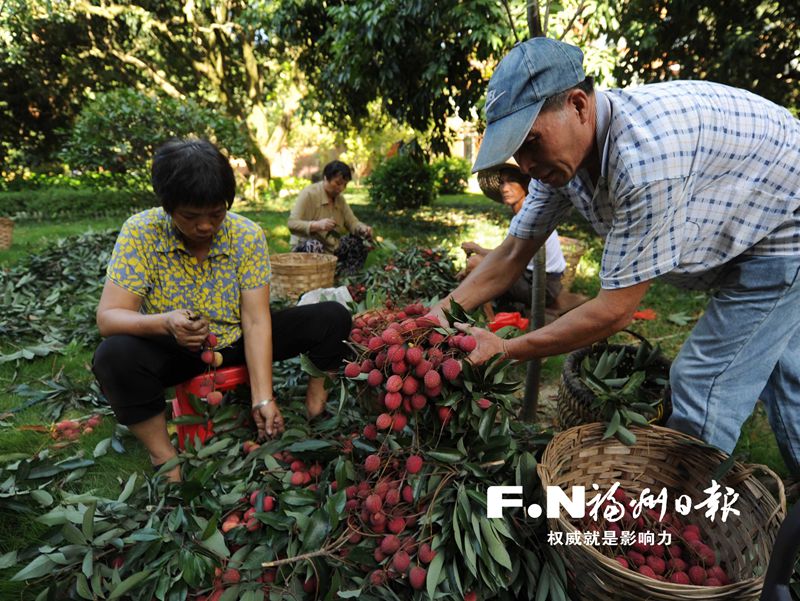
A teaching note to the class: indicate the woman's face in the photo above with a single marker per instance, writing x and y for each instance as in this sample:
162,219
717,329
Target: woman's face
512,192
334,186
198,225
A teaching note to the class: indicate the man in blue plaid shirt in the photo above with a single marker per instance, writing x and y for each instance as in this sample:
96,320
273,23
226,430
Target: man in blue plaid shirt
695,183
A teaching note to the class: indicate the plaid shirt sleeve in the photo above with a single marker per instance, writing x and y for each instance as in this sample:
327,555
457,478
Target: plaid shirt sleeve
543,209
646,234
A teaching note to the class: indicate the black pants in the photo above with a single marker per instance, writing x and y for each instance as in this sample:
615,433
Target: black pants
133,371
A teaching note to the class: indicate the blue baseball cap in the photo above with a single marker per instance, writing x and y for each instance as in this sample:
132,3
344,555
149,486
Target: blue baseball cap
533,71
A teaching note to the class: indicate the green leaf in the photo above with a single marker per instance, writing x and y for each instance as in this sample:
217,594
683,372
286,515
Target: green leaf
613,425
87,567
129,584
496,548
42,497
40,566
82,586
315,531
72,534
625,436
434,571
451,457
214,448
102,447
128,490
8,559
88,521
543,588
308,445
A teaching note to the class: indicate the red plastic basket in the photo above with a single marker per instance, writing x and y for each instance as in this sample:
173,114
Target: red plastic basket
226,378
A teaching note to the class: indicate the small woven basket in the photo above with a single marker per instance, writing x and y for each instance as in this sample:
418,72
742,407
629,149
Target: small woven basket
296,273
6,232
663,458
575,399
572,249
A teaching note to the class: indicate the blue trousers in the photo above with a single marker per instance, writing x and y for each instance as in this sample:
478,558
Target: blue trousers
745,347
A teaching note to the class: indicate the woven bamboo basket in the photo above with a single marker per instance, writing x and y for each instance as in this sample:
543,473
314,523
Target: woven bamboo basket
572,249
575,399
296,273
6,232
663,458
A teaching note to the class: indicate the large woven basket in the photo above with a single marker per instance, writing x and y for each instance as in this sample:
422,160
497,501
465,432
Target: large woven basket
575,399
296,273
663,458
572,249
6,232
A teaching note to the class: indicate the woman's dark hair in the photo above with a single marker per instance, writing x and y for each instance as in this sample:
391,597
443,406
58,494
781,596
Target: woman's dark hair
192,172
335,168
515,175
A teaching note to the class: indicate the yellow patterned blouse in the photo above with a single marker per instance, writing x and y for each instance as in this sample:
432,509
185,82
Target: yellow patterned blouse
151,260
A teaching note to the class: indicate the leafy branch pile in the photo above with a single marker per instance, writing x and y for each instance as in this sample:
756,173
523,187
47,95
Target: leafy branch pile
400,279
341,508
50,299
629,386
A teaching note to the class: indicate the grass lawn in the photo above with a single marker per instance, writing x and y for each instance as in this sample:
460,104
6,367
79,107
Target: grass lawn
451,220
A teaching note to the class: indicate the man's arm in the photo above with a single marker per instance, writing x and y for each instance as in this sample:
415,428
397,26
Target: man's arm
495,274
609,312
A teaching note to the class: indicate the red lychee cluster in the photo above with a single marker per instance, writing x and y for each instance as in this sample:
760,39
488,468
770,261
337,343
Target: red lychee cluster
407,360
71,429
299,473
208,355
687,560
383,508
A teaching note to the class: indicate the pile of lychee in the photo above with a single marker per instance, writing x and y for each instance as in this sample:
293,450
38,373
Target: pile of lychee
382,507
407,358
71,429
688,559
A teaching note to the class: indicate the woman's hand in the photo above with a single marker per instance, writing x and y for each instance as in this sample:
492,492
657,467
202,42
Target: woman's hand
189,331
365,231
269,420
323,225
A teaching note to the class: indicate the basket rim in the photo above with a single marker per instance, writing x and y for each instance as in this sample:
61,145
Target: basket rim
287,258
543,469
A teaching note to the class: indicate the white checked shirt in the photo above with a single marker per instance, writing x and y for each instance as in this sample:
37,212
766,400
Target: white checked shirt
693,174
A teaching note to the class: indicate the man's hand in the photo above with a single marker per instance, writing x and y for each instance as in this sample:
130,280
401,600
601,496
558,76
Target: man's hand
187,329
323,225
471,248
269,420
488,345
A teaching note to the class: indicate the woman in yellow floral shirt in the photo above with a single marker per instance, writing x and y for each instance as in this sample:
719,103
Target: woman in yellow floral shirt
187,269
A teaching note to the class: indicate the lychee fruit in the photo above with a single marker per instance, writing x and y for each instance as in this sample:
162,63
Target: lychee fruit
417,577
450,370
414,464
390,544
426,554
697,575
214,398
352,370
483,403
375,378
432,379
401,561
467,344
414,355
372,463
370,432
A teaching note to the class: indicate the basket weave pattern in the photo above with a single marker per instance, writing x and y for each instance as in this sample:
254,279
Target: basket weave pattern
663,458
296,273
6,232
575,399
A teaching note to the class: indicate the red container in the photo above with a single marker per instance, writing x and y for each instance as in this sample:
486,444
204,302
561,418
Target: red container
226,378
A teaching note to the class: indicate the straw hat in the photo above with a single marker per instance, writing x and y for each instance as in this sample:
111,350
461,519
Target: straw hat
489,179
